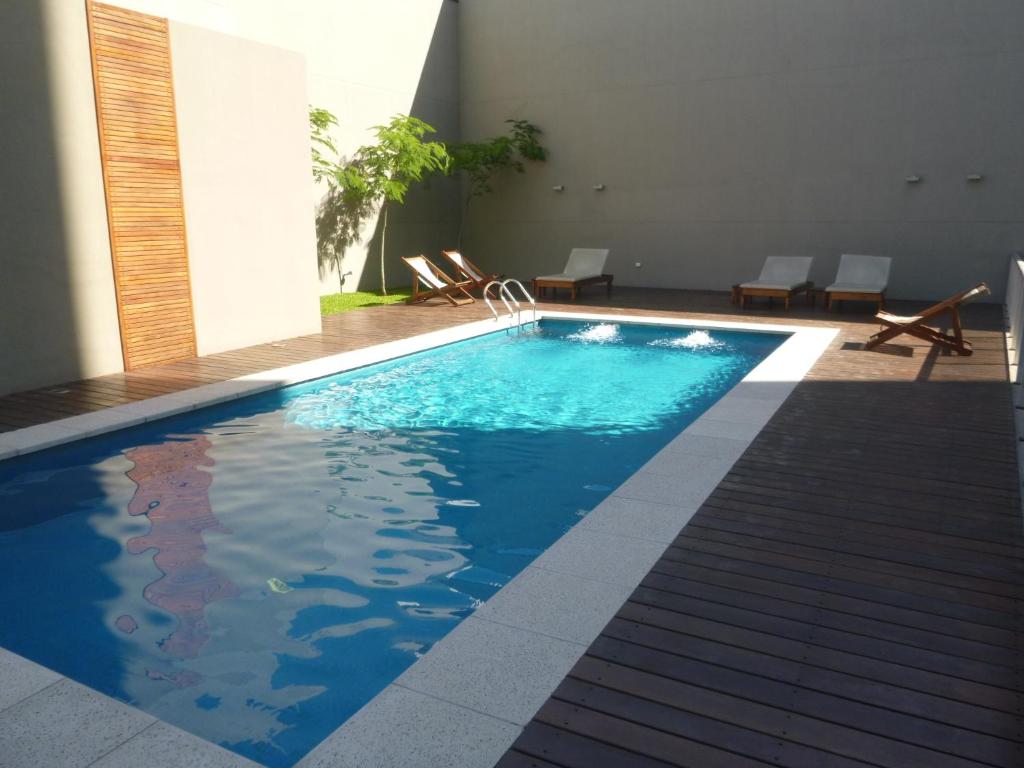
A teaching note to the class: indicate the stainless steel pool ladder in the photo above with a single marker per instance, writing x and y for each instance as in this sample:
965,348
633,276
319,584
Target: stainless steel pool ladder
509,300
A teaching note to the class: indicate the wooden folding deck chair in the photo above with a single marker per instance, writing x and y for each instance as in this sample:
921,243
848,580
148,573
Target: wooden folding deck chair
895,325
438,283
468,269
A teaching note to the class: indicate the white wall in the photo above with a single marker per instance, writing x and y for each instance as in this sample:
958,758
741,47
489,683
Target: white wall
367,60
726,130
243,136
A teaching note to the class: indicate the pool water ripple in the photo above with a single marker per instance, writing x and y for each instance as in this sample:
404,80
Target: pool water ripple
257,571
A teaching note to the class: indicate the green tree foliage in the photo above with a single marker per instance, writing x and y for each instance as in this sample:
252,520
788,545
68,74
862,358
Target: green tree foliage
383,172
324,152
481,161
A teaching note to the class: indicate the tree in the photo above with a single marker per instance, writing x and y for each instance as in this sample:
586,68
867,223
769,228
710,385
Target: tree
320,123
383,172
480,161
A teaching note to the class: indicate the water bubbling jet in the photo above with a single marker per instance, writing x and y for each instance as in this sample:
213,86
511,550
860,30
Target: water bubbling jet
694,340
603,333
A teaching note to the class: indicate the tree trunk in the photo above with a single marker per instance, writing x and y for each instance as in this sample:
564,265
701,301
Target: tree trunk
341,277
383,239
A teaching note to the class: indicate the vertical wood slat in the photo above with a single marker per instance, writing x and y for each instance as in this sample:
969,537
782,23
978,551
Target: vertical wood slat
138,133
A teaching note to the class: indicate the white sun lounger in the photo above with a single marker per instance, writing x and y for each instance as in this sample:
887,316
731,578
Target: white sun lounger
781,277
585,267
860,278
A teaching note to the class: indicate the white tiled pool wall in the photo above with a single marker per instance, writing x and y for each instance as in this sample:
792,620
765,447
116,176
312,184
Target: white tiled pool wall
465,701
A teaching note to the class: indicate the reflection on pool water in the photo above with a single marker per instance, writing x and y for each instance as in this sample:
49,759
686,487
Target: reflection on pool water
257,571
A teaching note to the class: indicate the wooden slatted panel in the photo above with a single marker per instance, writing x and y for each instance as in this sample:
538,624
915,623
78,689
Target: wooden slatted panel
131,62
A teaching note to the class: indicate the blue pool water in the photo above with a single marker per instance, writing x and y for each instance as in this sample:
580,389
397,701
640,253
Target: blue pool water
255,572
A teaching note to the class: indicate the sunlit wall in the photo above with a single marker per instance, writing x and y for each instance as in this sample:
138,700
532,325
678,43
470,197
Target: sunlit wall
244,143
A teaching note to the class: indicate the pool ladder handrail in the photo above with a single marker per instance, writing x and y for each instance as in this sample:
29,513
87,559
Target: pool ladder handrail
506,296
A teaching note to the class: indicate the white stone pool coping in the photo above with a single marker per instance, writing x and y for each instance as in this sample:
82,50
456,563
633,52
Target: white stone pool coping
466,700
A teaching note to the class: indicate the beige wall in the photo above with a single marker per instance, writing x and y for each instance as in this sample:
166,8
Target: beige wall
726,131
58,318
367,60
244,142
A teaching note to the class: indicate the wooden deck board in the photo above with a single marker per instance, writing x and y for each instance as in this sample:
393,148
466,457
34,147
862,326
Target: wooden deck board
850,594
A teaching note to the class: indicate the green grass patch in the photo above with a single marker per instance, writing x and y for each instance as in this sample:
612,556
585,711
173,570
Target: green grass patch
336,303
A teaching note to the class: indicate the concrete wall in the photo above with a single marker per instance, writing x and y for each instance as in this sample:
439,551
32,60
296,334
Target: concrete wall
367,60
58,318
244,141
727,130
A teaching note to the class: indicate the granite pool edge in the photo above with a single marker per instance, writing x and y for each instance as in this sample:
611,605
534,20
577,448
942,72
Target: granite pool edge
466,700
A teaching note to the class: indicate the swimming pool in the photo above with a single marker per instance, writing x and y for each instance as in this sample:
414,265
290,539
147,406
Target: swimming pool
257,571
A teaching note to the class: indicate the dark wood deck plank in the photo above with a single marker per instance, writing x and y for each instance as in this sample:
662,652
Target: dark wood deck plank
976,525
569,750
849,657
833,551
746,743
514,759
795,572
790,663
968,658
832,742
640,737
860,610
778,684
862,528
943,553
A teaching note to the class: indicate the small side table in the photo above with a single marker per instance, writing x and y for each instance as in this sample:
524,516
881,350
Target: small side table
813,294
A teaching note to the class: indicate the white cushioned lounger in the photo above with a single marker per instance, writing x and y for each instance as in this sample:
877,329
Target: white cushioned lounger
583,263
781,276
860,278
782,273
585,266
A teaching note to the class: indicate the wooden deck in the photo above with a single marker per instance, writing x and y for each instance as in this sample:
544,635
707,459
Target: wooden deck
849,595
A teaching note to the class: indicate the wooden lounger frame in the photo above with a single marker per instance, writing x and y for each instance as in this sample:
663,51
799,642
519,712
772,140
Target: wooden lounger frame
540,284
878,296
772,293
450,291
485,275
894,325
